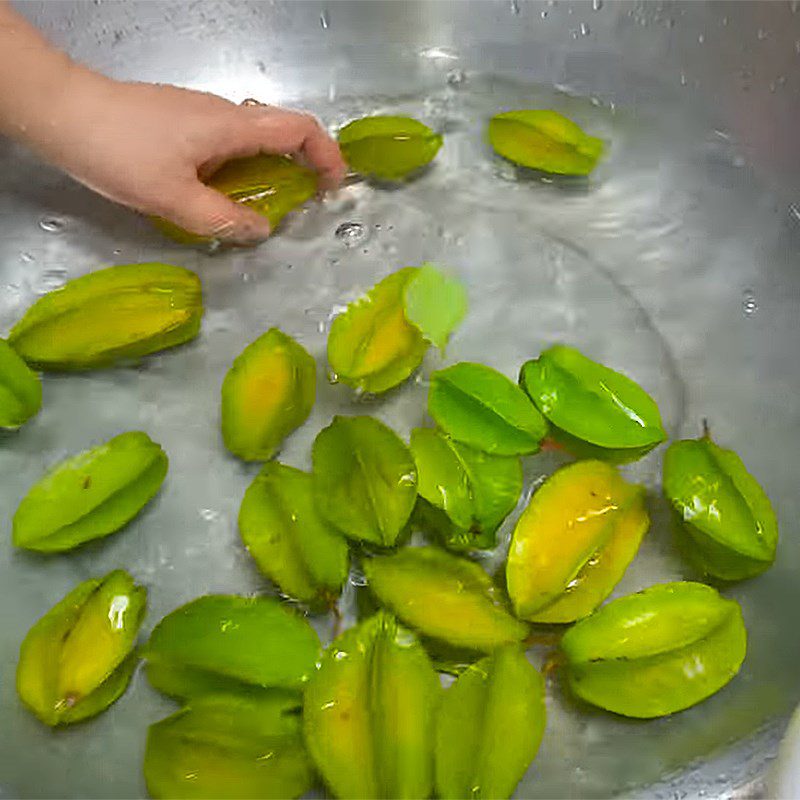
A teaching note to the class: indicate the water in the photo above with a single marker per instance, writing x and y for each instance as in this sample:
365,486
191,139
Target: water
643,266
352,234
52,224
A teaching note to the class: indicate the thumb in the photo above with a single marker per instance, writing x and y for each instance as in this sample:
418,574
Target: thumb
206,212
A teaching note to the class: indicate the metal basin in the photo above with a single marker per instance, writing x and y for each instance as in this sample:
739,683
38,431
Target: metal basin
677,263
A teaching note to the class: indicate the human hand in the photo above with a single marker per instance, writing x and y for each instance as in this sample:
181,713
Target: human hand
149,147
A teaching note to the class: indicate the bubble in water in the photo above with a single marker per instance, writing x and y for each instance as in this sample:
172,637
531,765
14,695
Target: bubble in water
208,514
325,20
794,212
52,224
762,34
585,29
543,14
357,577
597,5
26,257
515,6
684,79
50,280
351,234
456,77
701,38
749,305
444,53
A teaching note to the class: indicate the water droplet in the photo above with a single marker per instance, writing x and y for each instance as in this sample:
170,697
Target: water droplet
585,29
456,77
597,5
351,234
50,280
325,20
26,257
543,15
208,514
749,304
514,6
52,224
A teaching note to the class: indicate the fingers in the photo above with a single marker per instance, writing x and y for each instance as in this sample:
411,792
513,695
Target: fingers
206,212
275,130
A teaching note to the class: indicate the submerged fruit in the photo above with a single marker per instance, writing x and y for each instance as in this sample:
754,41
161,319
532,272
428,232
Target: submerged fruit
388,147
365,482
574,542
272,185
444,597
490,725
656,652
369,713
731,529
229,746
268,392
20,389
77,659
595,411
480,407
118,313
544,140
435,303
474,490
290,543
226,642
372,346
91,494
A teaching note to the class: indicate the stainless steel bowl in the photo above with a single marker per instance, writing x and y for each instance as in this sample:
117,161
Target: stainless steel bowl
678,263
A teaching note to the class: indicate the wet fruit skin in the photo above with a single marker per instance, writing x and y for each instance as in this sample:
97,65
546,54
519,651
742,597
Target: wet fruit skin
468,492
91,494
272,185
388,147
656,652
444,597
544,140
573,542
480,407
231,746
20,389
369,713
371,345
268,392
595,412
365,481
291,544
223,643
490,726
77,659
730,527
115,314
